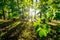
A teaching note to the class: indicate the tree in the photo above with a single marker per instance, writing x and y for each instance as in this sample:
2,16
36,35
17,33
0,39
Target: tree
2,8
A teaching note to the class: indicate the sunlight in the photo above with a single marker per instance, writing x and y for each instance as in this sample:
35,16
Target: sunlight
32,12
29,19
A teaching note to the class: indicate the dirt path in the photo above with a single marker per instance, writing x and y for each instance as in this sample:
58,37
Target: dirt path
28,32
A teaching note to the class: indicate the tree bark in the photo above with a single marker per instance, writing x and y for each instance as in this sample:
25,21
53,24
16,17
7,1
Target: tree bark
3,14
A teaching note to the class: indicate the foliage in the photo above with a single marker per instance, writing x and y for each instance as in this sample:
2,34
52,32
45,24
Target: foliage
42,29
48,9
57,16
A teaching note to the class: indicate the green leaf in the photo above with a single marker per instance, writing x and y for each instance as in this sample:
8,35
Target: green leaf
42,33
35,25
38,29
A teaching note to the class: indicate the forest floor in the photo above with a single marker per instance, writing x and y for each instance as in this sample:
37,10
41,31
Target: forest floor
28,32
17,30
23,30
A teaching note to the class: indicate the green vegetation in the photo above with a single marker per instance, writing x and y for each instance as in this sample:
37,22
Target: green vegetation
42,29
29,19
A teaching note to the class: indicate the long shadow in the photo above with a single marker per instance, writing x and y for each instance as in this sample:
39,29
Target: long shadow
15,36
14,33
8,34
5,24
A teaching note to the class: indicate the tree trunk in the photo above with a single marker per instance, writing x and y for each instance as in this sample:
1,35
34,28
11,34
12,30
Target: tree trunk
3,10
22,13
3,14
35,15
35,9
18,8
40,14
8,15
